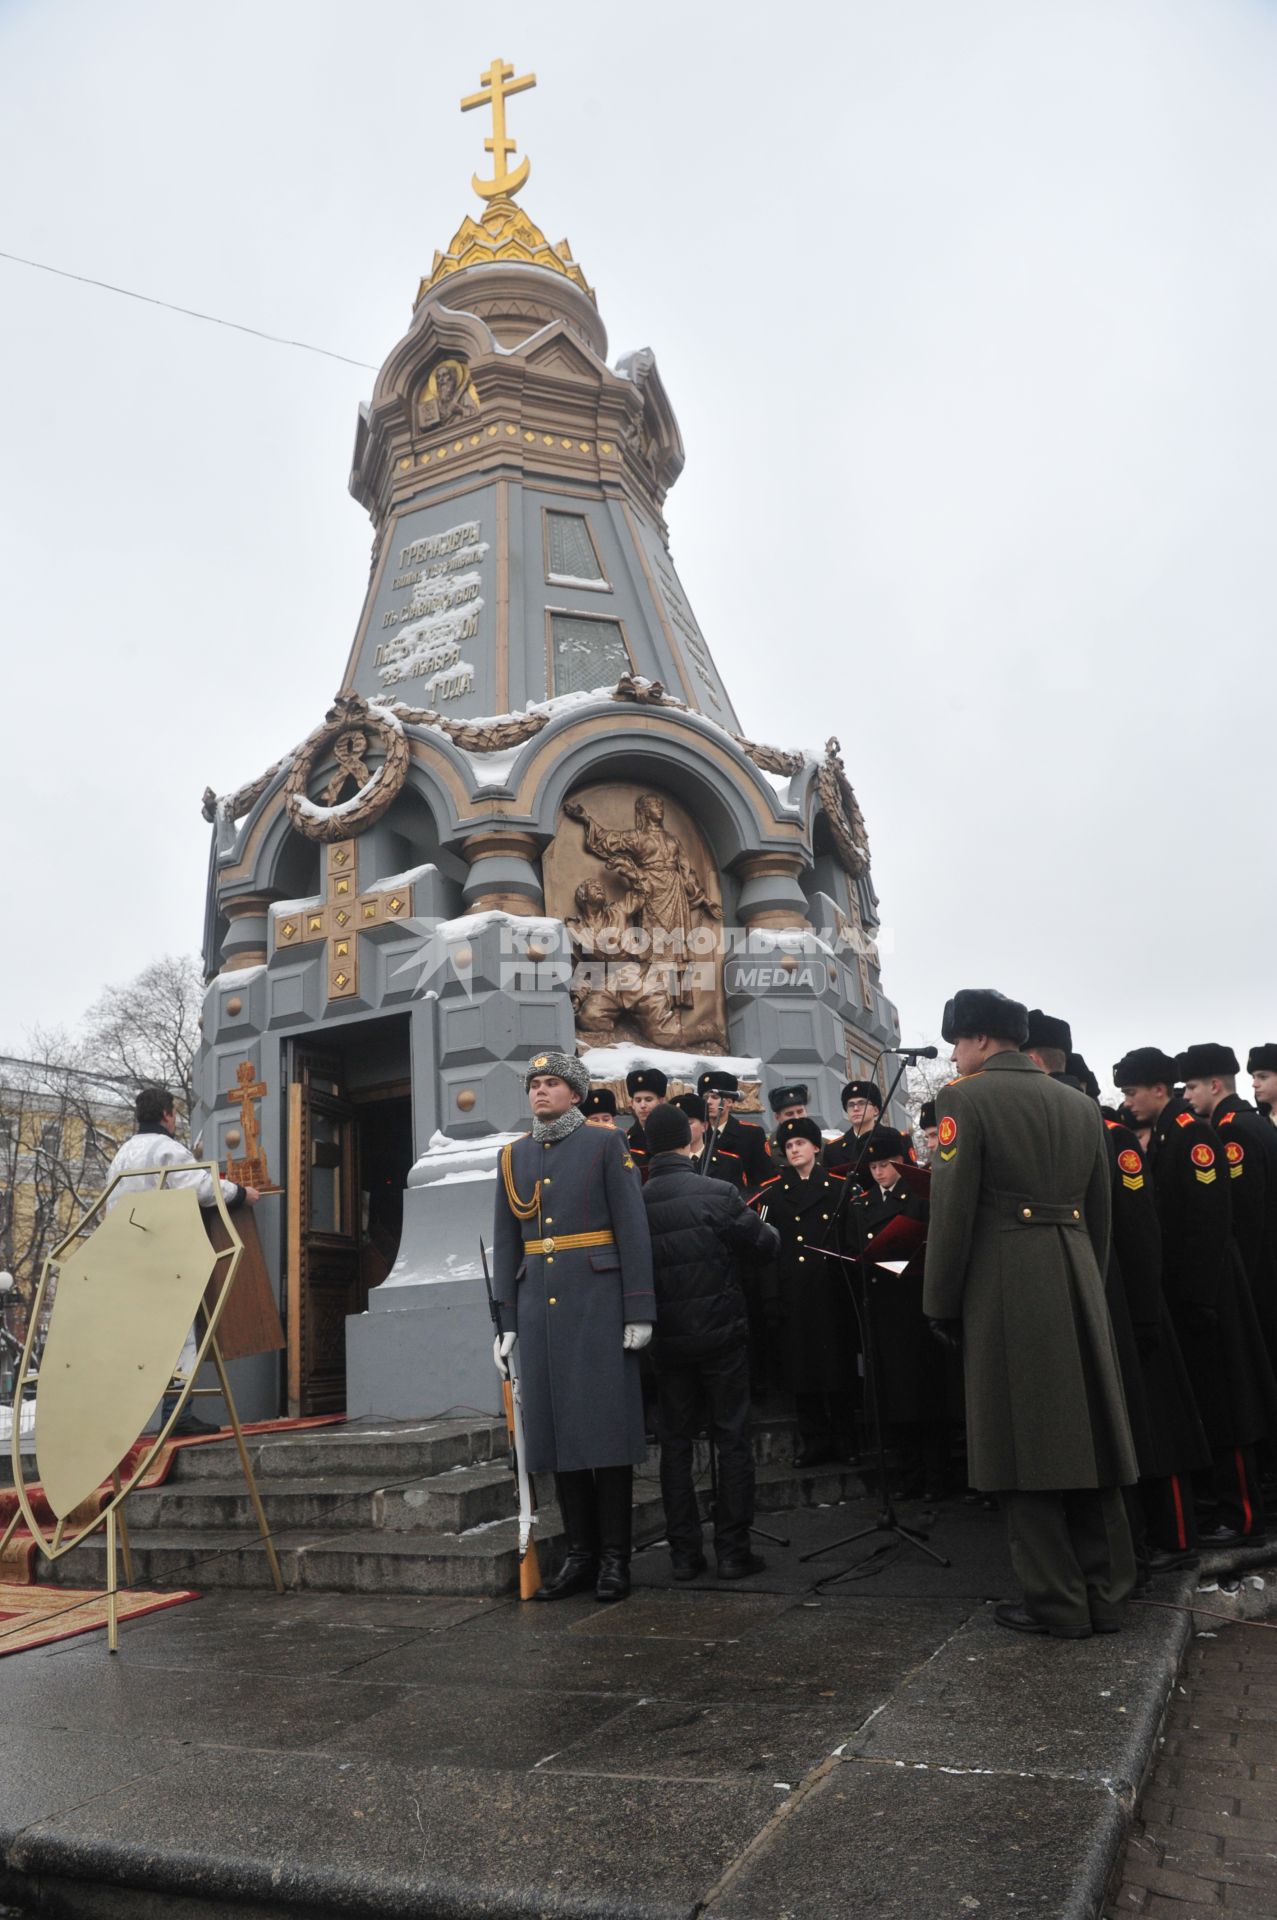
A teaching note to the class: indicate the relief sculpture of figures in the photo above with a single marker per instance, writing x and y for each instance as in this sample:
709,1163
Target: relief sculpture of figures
609,979
653,862
648,966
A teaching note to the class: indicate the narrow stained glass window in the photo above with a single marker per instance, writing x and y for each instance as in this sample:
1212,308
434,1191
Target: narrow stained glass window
585,653
572,555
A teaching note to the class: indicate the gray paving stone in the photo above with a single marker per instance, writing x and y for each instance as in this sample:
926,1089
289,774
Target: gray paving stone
376,1838
179,1704
1018,1704
452,1726
678,1739
904,1844
44,1770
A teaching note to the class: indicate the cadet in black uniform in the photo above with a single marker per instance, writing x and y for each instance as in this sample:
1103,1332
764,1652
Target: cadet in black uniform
807,1302
1209,1072
1261,1065
1205,1288
646,1088
913,1368
862,1104
790,1103
731,1149
1170,1444
929,1126
599,1107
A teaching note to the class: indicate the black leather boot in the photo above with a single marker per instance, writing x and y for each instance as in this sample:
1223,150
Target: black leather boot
614,1487
577,1504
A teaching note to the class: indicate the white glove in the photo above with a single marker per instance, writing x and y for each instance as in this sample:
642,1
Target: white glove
636,1336
502,1347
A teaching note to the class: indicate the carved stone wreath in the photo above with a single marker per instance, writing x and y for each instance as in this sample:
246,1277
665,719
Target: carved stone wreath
382,730
842,810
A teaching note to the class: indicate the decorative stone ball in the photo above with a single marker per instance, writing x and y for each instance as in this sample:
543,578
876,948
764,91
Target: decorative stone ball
466,1099
232,1136
234,1004
462,958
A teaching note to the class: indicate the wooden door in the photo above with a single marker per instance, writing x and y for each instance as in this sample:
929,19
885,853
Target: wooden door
323,1235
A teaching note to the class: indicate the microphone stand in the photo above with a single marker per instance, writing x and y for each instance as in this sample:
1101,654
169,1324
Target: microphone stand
887,1522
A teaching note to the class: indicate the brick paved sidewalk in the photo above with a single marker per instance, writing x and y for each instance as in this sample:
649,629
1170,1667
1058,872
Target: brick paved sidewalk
1206,1839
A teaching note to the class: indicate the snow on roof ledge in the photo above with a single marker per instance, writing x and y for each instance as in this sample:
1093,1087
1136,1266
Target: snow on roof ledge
613,1063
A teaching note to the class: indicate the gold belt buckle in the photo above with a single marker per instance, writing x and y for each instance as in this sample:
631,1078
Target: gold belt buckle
547,1246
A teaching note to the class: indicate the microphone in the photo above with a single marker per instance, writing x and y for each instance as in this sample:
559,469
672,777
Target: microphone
913,1053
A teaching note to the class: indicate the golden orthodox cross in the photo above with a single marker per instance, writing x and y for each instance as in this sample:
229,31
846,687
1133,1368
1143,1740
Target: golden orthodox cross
498,85
340,916
249,1169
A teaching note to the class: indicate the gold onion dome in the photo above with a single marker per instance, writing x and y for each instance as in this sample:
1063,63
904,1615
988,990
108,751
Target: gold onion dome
503,233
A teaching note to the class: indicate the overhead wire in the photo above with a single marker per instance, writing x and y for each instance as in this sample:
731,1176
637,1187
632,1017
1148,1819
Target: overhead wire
191,313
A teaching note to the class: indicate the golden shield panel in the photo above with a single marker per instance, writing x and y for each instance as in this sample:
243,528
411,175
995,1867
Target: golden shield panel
121,1296
125,1300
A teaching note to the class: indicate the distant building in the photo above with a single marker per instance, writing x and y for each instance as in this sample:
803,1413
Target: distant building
58,1130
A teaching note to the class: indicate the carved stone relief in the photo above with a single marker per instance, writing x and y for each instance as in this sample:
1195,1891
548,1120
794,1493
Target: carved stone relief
631,875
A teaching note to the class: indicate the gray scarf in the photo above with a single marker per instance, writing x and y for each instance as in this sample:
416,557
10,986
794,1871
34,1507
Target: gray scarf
558,1129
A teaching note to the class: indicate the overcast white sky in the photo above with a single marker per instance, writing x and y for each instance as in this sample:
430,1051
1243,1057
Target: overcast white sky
967,308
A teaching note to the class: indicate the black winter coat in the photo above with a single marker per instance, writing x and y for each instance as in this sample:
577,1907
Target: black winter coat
1165,1424
699,1226
737,1153
1206,1286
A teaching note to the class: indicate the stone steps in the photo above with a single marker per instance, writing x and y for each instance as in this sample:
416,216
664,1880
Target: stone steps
403,1508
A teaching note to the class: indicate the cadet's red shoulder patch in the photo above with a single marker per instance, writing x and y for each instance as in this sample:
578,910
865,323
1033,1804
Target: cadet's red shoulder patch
1185,1119
1129,1161
1234,1152
948,1130
1222,1120
1114,1124
1203,1156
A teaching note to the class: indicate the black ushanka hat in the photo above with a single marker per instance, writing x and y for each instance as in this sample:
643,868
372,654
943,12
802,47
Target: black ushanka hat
984,1010
1045,1030
1205,1060
647,1080
1144,1067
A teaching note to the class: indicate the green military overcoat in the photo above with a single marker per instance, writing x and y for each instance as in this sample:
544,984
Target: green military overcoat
1018,1247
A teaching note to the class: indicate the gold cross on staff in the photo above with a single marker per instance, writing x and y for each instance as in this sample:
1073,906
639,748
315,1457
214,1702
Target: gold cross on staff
340,916
498,84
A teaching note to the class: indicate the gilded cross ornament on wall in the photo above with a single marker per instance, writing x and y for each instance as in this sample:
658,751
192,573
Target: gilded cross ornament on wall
498,84
249,1169
340,916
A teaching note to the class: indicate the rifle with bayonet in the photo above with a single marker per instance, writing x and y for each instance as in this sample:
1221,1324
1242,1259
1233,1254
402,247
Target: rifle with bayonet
512,1398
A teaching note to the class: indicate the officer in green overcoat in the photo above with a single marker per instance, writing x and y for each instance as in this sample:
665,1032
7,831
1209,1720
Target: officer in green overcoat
1016,1255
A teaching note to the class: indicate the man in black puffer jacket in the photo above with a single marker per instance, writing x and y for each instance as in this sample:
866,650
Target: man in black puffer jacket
698,1226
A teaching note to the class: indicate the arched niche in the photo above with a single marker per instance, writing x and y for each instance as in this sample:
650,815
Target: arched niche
634,879
731,804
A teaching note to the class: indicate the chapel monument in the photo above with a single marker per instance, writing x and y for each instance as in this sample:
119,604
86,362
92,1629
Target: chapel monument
529,819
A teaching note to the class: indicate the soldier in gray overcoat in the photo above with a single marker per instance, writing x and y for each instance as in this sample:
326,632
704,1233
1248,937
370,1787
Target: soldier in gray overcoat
1016,1256
573,1284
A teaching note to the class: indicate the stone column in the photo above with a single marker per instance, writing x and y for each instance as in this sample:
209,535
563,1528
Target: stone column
770,895
245,944
505,873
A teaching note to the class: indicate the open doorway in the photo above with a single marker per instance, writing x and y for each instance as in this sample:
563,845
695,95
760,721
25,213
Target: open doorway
350,1146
